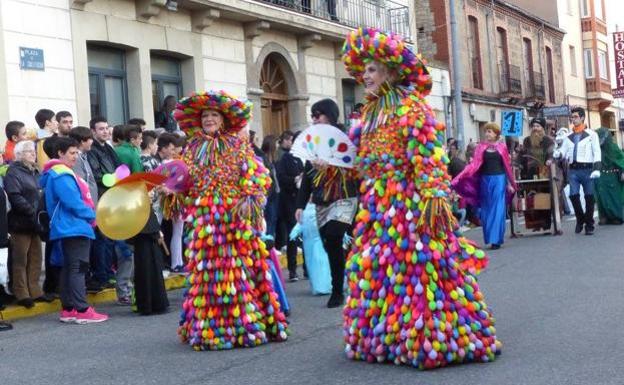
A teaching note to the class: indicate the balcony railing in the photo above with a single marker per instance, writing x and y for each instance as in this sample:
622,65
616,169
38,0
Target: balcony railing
534,82
510,79
383,14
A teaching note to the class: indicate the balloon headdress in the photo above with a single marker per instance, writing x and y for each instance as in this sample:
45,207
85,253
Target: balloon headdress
236,112
365,45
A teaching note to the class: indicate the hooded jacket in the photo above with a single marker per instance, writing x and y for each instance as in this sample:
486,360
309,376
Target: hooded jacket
70,208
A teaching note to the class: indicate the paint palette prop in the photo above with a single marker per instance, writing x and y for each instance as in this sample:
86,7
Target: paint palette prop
327,143
177,174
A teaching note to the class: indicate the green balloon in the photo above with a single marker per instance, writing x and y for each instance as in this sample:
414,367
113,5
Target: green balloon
109,180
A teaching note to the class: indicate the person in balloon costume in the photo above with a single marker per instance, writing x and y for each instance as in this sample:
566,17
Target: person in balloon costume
230,300
413,293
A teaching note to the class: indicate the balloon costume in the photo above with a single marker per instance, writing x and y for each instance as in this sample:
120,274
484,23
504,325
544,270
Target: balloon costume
230,300
413,296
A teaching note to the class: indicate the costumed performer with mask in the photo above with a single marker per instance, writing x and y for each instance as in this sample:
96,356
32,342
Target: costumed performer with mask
610,185
414,298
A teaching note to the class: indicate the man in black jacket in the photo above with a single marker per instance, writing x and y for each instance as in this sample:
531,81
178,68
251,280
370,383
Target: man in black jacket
288,170
103,160
334,214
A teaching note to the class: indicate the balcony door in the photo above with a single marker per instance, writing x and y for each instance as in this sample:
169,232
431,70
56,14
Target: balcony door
274,101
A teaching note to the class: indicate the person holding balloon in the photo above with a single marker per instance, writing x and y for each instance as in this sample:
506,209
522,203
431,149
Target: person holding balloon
413,294
72,218
230,299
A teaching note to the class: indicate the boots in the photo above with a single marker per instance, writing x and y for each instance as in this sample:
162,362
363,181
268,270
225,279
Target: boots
589,214
578,212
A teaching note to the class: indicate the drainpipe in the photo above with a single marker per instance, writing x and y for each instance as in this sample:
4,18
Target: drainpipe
488,20
457,81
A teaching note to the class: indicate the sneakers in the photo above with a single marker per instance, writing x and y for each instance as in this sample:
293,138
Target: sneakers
90,316
178,269
124,301
293,277
68,316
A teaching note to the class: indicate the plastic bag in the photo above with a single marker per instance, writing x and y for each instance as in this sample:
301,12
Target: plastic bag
316,260
4,268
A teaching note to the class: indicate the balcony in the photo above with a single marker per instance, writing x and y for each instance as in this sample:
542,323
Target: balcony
599,92
510,79
386,15
534,82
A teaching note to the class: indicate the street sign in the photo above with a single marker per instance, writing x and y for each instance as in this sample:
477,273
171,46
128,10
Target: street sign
512,123
31,59
562,110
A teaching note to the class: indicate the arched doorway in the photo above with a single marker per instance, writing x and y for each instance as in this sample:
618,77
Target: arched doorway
274,99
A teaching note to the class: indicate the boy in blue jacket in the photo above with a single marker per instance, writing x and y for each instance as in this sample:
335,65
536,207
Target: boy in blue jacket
72,217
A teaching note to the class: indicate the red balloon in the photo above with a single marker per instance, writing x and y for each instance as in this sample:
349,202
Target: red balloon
342,147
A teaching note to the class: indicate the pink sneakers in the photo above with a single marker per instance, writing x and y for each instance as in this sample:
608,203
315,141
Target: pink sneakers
88,317
68,316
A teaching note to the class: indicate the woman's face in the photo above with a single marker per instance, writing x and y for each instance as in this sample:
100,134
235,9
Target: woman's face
491,136
27,155
211,121
69,157
375,74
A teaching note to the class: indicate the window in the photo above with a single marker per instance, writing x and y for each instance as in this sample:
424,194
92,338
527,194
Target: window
348,99
602,65
527,56
551,75
503,58
166,79
585,8
475,52
107,83
573,61
570,7
589,63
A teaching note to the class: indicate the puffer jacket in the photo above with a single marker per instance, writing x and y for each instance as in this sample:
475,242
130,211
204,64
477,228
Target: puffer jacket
22,187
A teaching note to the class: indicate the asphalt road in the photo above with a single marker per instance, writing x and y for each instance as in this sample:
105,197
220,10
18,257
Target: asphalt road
558,301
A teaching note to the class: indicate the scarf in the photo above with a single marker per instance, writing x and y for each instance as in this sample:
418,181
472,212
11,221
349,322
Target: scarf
578,129
61,168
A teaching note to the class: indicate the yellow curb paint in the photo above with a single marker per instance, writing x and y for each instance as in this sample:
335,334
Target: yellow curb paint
14,312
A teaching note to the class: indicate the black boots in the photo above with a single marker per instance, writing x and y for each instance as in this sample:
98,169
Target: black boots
336,299
578,212
589,214
583,217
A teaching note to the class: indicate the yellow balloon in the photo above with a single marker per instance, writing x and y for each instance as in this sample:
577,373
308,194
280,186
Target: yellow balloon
123,211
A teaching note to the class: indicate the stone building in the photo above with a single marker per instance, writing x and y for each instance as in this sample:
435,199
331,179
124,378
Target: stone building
121,58
511,58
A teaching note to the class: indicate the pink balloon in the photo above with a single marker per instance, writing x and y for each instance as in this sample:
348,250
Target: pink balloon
122,172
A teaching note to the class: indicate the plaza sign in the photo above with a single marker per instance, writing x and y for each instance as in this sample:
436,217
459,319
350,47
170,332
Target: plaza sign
618,45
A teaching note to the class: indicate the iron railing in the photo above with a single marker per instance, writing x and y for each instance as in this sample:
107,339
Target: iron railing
383,14
539,91
510,79
477,75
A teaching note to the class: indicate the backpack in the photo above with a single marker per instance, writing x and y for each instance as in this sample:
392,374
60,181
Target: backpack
42,221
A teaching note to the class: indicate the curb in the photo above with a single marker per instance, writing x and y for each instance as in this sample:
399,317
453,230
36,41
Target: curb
13,312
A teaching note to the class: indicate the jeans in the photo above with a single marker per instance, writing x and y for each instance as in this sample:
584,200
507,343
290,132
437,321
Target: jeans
75,265
125,267
103,248
580,177
270,214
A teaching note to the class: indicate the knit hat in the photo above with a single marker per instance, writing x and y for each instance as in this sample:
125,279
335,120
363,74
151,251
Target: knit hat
236,113
365,45
540,121
328,108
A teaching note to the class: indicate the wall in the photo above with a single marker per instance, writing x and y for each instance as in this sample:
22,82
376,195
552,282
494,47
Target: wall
570,21
44,25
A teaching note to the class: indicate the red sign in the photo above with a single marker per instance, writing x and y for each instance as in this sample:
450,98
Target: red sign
618,45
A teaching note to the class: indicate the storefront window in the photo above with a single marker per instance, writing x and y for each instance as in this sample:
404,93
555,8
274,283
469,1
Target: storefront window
166,80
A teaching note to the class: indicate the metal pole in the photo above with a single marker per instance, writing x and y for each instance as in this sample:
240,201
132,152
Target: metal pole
457,81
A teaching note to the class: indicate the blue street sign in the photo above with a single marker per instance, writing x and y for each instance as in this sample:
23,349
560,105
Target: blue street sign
31,59
512,123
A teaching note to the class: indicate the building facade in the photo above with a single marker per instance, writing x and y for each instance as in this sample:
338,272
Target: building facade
511,59
121,58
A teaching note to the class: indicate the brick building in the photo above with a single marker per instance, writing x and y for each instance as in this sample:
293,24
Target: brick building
511,58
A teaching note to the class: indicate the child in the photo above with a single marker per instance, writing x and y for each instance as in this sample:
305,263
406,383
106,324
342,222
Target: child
15,132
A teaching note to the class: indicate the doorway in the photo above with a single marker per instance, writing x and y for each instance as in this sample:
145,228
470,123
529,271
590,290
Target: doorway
274,100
